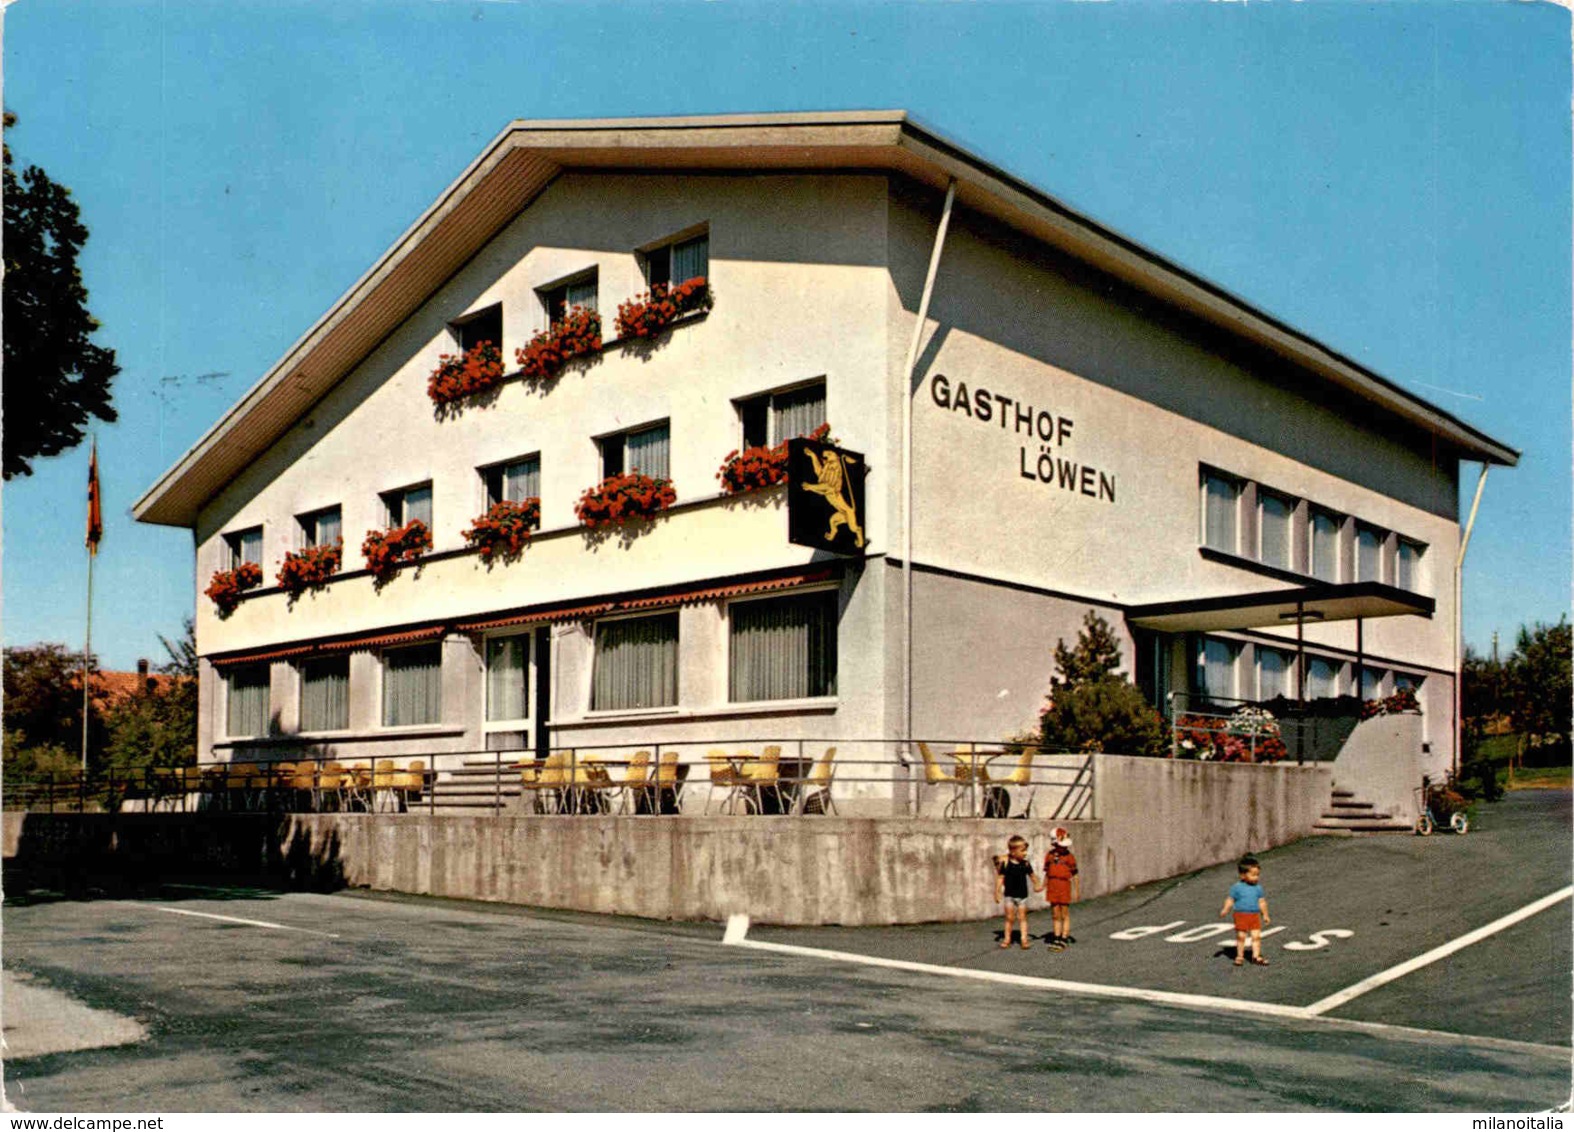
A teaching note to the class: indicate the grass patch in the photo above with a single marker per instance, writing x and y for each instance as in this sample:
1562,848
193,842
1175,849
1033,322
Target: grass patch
1542,778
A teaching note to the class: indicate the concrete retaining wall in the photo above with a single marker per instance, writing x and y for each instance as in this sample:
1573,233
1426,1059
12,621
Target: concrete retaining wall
1382,763
1163,817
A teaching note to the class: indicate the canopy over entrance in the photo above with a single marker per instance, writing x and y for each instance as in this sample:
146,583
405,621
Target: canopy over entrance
1316,602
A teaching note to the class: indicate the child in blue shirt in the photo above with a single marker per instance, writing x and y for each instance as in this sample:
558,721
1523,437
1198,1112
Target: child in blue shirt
1250,906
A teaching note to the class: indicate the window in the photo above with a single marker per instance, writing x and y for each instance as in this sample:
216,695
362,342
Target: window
636,663
247,707
783,648
1322,678
514,481
680,261
244,546
1216,663
1408,680
578,292
325,694
408,504
320,528
1368,553
413,686
1273,527
1372,683
772,418
646,450
1408,562
507,678
1273,673
1221,518
484,326
1324,545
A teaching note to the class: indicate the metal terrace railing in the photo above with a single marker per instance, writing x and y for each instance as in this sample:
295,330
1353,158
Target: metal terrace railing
694,778
1225,729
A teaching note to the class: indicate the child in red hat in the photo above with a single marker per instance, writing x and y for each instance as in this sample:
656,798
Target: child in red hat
1062,885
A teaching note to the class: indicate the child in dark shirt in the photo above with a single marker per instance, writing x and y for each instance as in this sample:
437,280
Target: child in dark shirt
1013,876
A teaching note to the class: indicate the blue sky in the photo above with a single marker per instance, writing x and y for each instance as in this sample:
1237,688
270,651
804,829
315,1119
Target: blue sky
1392,179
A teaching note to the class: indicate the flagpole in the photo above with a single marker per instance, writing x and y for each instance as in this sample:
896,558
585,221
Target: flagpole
87,654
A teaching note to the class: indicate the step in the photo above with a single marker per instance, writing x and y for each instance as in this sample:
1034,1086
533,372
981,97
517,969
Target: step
1384,824
1338,805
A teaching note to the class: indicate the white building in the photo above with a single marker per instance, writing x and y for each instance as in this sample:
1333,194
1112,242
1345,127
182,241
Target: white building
1092,428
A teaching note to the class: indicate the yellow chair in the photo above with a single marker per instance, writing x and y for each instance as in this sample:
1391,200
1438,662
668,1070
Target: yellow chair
332,780
1020,776
636,781
959,780
814,796
724,776
667,782
408,784
550,781
762,774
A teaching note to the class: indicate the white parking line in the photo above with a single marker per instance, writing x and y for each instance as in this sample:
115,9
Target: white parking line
1339,998
239,920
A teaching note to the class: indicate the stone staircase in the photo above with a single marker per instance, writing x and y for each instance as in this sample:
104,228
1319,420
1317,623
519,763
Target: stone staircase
479,786
1346,815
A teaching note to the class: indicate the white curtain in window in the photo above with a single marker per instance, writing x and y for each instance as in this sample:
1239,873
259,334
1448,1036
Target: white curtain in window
797,412
1368,555
691,259
522,480
1218,668
418,504
248,705
507,662
1221,495
248,547
636,663
1273,672
1274,530
581,294
1322,679
325,694
1325,547
1409,562
649,452
413,686
325,528
1371,683
783,648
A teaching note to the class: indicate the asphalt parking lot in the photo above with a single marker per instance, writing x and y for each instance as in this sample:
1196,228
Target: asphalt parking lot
263,1001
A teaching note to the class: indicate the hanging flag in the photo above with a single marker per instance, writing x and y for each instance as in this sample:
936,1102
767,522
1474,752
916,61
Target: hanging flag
95,515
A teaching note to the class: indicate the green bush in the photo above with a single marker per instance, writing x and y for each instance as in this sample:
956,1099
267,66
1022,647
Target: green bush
1105,714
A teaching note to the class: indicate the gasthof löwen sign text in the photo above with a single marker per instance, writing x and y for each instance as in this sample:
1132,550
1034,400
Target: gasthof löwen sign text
1041,435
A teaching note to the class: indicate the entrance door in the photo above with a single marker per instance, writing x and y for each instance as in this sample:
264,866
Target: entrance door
510,713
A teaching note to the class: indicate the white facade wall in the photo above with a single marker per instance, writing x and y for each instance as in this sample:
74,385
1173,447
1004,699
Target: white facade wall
818,277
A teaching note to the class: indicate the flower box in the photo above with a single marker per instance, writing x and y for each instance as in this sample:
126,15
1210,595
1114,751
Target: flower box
505,529
384,550
577,333
647,315
1250,734
622,499
760,467
309,569
464,375
227,586
1403,700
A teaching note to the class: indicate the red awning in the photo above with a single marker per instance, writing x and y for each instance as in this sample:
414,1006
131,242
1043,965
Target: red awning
326,648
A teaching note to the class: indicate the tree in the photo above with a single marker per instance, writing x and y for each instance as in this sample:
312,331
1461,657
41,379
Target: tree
55,377
1537,687
43,709
157,724
1096,655
1091,708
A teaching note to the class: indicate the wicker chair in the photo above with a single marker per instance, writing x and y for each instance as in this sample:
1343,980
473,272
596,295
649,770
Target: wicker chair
815,794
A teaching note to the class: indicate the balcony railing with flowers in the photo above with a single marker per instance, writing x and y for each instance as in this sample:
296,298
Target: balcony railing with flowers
227,586
385,550
622,499
1403,700
760,467
647,315
458,376
309,569
1249,734
505,529
574,335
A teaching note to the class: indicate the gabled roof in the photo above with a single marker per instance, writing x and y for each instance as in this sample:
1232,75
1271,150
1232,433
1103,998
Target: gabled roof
528,155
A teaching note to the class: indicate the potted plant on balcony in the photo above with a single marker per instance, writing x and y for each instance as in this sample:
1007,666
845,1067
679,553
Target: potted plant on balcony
227,586
385,550
458,376
760,467
648,314
574,335
504,529
309,569
625,498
